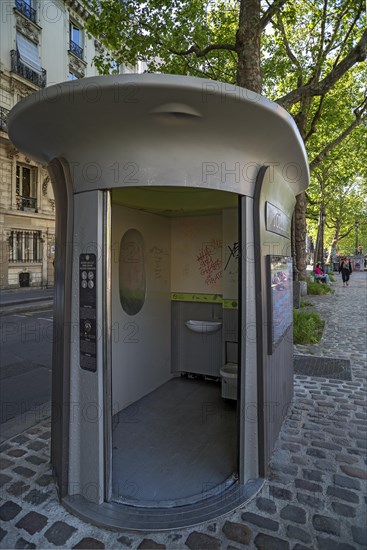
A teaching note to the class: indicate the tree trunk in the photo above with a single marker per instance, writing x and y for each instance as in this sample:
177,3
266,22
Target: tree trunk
319,248
249,76
316,252
248,46
300,235
334,242
301,201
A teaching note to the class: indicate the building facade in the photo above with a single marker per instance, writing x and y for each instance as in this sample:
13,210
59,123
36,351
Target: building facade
42,42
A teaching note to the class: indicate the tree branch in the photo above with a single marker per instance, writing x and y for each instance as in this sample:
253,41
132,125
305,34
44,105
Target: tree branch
332,221
309,200
322,38
346,233
315,120
361,115
290,54
331,44
346,38
193,49
356,55
203,52
270,12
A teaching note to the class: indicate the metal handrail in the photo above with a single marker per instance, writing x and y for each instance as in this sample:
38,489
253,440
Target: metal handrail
26,10
26,202
4,119
76,49
23,249
25,261
20,68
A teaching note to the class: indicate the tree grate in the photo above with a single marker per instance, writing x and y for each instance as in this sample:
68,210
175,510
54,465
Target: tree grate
323,367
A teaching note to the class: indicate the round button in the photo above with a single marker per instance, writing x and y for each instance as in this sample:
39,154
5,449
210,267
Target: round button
90,284
87,326
90,275
84,284
84,274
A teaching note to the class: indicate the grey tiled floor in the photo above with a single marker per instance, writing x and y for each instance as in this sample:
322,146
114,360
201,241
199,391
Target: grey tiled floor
187,441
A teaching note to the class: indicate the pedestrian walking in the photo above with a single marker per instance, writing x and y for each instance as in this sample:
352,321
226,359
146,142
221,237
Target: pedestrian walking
345,268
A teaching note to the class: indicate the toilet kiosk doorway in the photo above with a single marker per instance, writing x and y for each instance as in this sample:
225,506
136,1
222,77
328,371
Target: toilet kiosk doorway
174,438
182,134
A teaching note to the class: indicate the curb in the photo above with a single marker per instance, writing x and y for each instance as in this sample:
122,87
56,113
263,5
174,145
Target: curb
26,307
26,301
20,424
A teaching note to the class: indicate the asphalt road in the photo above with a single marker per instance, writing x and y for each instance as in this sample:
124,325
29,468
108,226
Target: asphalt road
25,295
25,370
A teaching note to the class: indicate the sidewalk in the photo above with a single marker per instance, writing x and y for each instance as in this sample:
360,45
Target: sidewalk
25,299
315,497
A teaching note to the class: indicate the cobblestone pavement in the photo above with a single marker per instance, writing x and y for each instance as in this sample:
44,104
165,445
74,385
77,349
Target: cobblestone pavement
314,498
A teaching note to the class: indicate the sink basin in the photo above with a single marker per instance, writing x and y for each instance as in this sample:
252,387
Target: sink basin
203,326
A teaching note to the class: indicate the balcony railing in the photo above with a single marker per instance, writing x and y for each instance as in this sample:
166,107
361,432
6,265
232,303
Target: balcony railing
26,10
25,247
24,261
4,119
18,67
26,203
76,50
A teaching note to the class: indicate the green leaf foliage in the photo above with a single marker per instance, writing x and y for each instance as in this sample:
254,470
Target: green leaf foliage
158,32
303,44
307,327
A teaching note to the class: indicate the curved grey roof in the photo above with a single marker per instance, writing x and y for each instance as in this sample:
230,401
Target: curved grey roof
154,129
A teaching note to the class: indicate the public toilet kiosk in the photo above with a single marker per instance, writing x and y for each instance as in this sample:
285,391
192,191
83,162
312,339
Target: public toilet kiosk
173,352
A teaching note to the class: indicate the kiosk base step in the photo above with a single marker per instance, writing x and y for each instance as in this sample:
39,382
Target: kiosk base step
119,516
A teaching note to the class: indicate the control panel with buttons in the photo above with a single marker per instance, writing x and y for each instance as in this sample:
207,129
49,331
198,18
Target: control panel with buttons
87,312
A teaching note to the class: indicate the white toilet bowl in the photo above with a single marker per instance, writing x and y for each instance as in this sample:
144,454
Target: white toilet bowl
229,374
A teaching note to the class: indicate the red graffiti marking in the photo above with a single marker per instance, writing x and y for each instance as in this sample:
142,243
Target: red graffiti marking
210,262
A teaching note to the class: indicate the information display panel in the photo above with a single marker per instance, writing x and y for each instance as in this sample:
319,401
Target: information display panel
87,312
280,298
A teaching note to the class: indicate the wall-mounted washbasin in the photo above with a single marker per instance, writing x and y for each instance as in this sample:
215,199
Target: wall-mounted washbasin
203,326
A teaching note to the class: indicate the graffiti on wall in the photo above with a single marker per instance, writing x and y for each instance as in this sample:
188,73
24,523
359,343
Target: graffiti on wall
160,262
209,262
